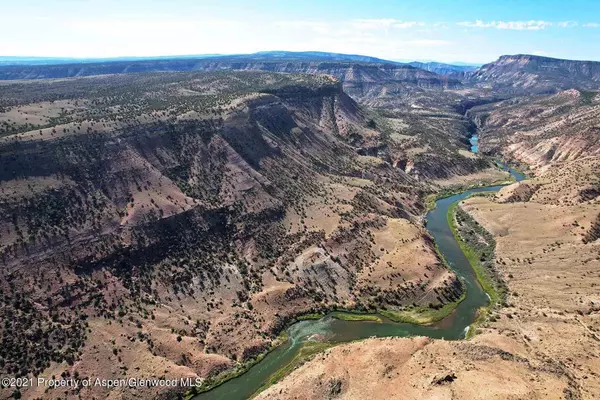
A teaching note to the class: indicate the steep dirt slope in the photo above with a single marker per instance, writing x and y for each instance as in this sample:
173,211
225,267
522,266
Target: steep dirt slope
421,368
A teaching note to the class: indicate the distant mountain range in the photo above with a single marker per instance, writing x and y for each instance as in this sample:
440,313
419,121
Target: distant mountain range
24,60
356,71
306,56
443,69
439,68
510,73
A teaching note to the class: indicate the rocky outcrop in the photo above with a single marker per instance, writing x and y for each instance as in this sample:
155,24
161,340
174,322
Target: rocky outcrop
522,192
593,234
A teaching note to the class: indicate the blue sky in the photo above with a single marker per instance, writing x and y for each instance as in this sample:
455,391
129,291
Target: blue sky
474,31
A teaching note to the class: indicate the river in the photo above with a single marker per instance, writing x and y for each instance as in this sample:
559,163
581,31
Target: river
334,330
474,143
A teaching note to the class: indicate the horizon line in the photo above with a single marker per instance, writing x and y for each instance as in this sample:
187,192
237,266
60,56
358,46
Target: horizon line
207,55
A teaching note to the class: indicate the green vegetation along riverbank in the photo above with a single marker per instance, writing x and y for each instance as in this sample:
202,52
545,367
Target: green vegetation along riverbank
423,315
478,245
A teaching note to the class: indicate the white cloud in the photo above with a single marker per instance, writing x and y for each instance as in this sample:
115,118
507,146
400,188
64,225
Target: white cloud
567,24
318,27
371,24
428,42
384,23
532,25
351,27
408,24
591,25
140,27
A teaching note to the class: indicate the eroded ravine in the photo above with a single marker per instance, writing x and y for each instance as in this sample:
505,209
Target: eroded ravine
334,330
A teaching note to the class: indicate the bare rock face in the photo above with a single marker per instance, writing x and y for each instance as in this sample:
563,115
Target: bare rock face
593,233
517,193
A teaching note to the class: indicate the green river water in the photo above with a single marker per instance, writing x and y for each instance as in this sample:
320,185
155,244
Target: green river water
334,330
